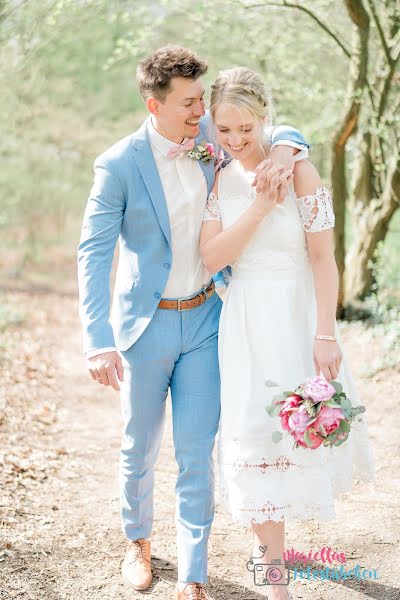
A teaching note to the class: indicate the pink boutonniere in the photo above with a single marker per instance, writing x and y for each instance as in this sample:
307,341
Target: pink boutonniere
203,151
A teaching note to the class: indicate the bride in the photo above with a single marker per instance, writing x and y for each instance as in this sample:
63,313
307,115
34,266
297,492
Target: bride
277,323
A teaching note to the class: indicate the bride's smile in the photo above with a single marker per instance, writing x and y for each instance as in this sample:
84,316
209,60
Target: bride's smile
240,133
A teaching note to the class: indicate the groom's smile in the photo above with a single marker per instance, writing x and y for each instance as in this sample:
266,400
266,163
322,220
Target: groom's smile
178,115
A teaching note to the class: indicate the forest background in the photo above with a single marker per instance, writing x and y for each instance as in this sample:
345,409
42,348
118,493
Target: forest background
67,92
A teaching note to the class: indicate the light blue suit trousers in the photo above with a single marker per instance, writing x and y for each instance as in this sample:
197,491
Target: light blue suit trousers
177,350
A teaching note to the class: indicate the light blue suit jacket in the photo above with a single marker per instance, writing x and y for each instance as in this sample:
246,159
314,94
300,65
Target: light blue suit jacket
127,202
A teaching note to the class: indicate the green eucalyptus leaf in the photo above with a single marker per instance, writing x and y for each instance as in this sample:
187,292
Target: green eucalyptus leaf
338,386
273,410
345,426
322,431
340,429
270,383
357,410
276,436
307,438
279,397
345,404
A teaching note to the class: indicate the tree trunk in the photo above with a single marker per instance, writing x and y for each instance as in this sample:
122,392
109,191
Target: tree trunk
372,226
339,193
357,83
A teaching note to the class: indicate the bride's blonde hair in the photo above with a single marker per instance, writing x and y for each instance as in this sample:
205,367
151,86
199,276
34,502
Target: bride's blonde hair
243,88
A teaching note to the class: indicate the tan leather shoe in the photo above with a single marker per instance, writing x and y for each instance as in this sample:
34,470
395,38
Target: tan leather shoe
136,566
193,591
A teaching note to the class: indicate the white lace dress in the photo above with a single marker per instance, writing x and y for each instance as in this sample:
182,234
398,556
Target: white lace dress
267,327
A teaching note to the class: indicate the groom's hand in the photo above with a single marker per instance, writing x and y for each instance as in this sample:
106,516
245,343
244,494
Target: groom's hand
283,158
104,368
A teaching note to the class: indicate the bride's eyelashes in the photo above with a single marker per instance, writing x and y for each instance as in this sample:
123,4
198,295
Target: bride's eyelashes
227,130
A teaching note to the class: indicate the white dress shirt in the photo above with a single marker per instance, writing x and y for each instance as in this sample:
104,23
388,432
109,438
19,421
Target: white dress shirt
185,190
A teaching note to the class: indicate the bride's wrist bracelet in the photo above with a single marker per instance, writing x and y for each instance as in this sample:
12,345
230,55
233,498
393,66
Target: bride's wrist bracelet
329,338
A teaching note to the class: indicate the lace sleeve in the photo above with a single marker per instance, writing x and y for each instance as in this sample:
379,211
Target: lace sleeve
316,211
212,212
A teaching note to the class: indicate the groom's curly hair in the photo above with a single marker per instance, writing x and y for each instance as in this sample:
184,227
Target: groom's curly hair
154,73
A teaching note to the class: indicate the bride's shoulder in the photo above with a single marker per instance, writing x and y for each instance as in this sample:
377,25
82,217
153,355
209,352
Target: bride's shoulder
313,198
306,178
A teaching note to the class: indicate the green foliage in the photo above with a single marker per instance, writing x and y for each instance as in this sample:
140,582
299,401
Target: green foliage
67,74
276,436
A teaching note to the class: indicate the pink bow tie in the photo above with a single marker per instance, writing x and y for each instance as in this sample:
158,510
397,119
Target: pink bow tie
187,144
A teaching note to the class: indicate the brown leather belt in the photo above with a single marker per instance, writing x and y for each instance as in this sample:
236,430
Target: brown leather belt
191,303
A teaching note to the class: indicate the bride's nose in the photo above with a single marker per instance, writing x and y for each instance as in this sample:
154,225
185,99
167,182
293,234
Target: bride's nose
235,140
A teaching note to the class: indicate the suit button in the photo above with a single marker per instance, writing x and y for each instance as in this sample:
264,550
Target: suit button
157,295
167,265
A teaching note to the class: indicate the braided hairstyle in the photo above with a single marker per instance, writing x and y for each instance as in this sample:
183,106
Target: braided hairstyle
243,88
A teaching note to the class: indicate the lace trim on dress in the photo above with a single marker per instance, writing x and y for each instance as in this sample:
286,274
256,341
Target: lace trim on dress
316,211
272,512
282,463
255,509
212,211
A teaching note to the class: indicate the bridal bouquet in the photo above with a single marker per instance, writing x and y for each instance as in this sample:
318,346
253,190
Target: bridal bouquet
317,412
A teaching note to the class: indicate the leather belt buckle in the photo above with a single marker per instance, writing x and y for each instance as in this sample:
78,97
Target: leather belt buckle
180,309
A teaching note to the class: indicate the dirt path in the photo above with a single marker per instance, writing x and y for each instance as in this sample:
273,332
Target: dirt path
59,513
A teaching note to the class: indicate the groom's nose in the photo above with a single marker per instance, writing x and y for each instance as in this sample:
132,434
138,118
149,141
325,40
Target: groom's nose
198,109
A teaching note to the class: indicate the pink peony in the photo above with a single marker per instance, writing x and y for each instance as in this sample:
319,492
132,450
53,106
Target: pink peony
299,437
329,418
291,402
298,420
285,420
315,439
210,149
318,389
288,405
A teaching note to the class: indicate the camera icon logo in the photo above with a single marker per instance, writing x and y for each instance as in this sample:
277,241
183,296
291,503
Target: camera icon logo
273,573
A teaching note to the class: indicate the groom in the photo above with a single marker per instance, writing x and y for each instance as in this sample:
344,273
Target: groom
150,195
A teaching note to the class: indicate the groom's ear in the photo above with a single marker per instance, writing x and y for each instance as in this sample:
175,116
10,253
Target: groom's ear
152,105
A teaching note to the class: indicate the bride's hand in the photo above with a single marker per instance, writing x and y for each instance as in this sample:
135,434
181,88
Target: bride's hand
327,358
268,198
286,164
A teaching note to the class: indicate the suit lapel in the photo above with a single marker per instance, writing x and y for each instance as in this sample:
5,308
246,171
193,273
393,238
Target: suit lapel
208,167
148,169
209,173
